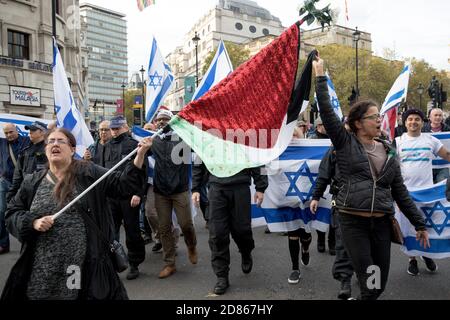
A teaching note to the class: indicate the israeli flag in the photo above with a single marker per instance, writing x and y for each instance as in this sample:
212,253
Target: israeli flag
138,133
292,179
333,98
160,81
67,114
218,70
444,137
20,122
398,91
435,208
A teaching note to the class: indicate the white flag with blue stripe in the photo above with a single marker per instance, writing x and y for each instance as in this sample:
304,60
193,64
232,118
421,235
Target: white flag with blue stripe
292,179
333,98
435,208
444,137
20,122
218,70
398,91
67,114
160,81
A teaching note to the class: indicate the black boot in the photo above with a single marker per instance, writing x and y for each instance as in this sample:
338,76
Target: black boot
247,262
346,289
222,285
320,241
133,273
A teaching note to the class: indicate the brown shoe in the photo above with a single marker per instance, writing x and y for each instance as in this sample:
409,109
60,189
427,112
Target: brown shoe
167,271
192,253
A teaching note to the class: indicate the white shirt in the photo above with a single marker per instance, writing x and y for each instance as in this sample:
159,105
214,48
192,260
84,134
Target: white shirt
416,155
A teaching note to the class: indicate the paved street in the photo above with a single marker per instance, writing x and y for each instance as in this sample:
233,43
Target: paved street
268,280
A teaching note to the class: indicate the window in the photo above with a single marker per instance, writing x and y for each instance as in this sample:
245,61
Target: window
58,7
266,32
235,9
252,29
18,45
238,26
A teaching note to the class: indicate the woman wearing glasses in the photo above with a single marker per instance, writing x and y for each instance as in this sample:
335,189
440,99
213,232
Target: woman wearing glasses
370,183
68,258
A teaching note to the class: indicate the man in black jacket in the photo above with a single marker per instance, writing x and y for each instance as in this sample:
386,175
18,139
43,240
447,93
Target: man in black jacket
229,212
32,159
329,175
171,187
125,209
321,133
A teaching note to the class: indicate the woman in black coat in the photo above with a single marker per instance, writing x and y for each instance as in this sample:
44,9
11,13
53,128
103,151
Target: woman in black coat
370,182
67,258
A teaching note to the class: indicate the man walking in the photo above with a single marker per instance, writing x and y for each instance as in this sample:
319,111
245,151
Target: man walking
33,157
126,209
171,188
229,212
416,152
10,149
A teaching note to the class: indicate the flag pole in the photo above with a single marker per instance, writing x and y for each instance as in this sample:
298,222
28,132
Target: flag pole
103,177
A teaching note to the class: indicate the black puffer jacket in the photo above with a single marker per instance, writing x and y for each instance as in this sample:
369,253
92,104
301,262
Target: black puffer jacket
99,279
359,191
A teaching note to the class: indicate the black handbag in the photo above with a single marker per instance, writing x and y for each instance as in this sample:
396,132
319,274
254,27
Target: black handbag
118,255
120,258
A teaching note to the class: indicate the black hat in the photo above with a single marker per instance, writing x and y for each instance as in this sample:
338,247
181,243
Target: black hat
37,125
409,112
117,122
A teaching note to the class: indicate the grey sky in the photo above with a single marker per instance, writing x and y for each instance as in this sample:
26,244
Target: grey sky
415,28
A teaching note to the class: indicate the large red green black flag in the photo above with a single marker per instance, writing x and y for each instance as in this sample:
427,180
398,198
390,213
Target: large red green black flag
248,119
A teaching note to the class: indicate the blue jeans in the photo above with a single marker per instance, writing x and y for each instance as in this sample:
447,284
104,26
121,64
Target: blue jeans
4,235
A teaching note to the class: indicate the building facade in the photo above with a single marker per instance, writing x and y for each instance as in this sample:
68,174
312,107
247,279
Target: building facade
26,50
336,34
106,40
238,21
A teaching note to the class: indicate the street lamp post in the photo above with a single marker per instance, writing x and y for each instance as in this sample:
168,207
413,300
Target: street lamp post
420,90
123,97
356,38
142,71
196,39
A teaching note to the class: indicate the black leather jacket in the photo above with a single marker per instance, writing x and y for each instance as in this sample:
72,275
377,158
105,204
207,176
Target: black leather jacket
359,190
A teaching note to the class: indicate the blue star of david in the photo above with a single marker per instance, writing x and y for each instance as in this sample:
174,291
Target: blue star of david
335,103
158,79
429,214
293,190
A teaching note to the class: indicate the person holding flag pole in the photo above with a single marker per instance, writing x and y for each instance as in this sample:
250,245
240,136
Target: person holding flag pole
371,181
77,243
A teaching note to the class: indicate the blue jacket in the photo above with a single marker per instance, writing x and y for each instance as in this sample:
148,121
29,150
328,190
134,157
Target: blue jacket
6,164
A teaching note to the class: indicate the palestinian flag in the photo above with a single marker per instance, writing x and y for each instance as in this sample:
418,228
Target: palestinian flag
248,119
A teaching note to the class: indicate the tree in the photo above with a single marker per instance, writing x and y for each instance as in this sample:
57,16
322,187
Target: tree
376,75
237,53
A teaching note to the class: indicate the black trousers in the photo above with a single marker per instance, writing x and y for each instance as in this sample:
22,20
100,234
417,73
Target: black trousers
342,267
368,242
121,210
229,212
